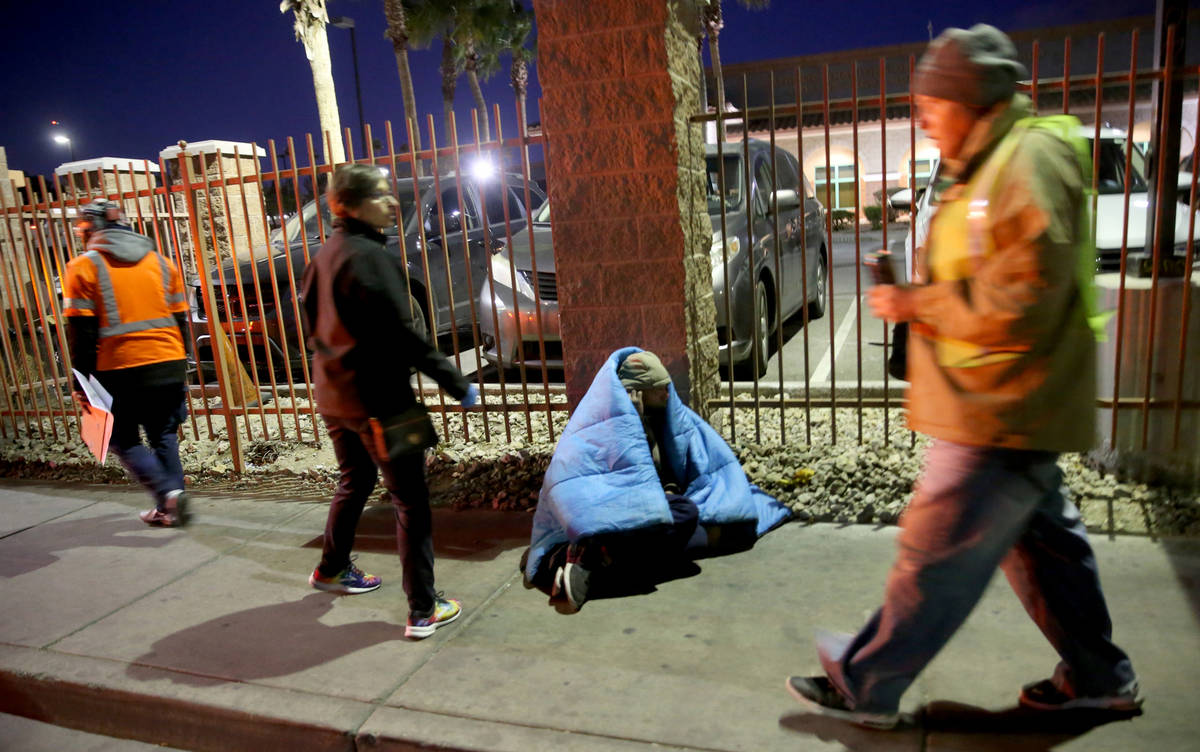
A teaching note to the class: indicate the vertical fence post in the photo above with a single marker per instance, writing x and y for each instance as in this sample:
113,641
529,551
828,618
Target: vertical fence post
216,334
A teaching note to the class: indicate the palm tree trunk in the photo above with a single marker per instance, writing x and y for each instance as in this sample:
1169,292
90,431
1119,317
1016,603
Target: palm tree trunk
480,103
317,47
449,76
713,22
519,76
397,31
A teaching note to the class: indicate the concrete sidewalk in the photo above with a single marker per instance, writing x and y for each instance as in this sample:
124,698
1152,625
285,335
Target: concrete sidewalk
210,638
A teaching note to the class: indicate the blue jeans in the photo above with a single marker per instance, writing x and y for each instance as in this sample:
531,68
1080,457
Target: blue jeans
976,509
159,410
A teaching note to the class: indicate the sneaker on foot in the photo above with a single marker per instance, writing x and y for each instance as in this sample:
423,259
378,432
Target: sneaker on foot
445,610
350,581
158,518
820,695
1044,695
575,581
176,505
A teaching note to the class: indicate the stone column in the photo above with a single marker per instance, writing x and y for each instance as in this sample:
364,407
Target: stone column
238,223
106,177
620,79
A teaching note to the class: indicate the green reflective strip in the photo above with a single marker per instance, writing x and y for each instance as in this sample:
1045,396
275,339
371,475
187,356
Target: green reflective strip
107,293
136,326
81,304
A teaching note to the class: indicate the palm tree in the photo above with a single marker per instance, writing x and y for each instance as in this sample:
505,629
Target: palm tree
427,20
398,33
517,26
478,36
310,19
714,21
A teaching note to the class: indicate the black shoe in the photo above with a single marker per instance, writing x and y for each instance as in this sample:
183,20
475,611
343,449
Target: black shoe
176,506
819,695
1044,695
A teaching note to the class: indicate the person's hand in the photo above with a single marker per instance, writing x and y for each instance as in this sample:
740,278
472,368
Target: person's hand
80,400
471,397
892,303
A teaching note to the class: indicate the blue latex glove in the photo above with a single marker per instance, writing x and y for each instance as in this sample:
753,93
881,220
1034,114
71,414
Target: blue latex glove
471,397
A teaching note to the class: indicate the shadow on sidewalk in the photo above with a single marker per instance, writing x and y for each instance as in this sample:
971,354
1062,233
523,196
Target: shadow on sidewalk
468,535
32,549
1013,729
261,642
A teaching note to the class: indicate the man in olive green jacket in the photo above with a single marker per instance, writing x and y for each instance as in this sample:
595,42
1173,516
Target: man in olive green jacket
1002,367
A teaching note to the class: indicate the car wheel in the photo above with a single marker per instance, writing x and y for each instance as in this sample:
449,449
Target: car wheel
816,308
756,363
420,321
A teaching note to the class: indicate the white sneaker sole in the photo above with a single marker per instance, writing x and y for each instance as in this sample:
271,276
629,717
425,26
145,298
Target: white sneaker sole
329,587
420,633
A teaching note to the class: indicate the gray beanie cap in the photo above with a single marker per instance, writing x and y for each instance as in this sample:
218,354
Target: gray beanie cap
977,67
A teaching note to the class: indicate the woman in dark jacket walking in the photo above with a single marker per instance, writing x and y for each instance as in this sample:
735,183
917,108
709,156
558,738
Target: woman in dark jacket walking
365,349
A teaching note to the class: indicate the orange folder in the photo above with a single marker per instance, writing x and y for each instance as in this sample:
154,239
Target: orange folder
96,429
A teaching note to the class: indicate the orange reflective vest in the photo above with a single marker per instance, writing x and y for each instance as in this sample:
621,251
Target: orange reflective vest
134,301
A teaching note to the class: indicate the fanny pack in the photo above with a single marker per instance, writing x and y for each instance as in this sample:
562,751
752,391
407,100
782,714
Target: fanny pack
406,433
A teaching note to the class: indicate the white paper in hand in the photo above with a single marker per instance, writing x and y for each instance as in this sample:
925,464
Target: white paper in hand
96,394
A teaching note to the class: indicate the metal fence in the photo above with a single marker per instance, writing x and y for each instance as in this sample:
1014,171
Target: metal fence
789,197
242,234
842,126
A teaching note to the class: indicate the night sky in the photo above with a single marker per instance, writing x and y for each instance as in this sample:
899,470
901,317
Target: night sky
130,78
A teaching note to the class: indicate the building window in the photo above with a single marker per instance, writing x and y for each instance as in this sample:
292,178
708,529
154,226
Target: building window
843,189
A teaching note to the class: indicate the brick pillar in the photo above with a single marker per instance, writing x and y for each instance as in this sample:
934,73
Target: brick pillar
238,223
626,174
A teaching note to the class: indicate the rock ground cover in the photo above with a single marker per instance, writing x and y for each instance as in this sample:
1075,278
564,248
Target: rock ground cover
796,460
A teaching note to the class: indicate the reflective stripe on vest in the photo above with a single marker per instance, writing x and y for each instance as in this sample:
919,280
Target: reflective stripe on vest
116,326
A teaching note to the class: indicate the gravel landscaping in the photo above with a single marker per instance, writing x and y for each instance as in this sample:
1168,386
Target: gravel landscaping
796,460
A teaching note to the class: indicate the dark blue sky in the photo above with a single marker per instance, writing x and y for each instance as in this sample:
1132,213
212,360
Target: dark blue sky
130,78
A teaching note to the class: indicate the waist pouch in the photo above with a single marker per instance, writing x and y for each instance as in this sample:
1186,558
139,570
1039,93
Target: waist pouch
406,433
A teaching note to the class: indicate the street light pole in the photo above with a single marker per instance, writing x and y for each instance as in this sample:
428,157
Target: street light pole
345,22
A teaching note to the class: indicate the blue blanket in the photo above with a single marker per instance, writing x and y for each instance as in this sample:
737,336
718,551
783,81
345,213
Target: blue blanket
602,478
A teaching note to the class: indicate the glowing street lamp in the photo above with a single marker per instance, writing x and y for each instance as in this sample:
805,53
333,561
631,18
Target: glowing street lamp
62,138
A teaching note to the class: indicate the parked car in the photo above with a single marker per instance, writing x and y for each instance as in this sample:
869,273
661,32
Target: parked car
1110,207
454,240
751,211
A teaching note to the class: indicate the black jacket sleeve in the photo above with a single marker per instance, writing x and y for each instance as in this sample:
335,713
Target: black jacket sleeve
181,322
373,279
83,336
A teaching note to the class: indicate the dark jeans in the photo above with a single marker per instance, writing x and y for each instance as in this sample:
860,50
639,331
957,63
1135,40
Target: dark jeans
354,447
159,410
976,509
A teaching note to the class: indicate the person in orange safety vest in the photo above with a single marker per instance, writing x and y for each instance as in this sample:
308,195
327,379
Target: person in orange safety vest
126,321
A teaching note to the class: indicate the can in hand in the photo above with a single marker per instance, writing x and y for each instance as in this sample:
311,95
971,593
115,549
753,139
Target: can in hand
880,264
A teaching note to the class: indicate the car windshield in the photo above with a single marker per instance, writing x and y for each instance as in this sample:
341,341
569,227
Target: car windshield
305,222
733,182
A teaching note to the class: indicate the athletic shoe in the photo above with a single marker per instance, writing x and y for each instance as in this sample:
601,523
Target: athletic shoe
350,581
158,518
176,505
572,579
820,695
445,610
1044,695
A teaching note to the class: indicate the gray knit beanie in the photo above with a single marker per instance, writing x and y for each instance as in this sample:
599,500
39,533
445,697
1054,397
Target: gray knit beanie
977,67
643,370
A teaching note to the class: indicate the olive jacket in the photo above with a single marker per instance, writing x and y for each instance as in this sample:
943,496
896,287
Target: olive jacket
1000,352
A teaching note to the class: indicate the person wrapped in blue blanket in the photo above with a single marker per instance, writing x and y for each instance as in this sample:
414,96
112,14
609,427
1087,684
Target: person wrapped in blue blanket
639,484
